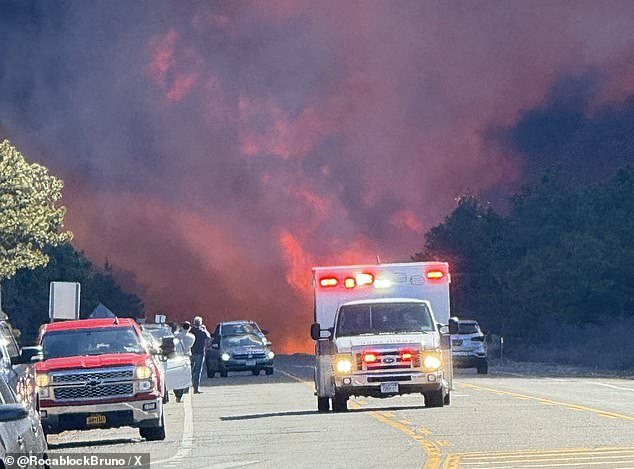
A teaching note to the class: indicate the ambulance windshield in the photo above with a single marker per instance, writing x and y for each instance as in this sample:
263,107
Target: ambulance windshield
377,318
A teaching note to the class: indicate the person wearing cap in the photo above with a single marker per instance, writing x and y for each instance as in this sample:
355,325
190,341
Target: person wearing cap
187,339
198,351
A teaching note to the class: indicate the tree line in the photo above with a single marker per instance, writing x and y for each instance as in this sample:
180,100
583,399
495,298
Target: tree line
554,276
35,250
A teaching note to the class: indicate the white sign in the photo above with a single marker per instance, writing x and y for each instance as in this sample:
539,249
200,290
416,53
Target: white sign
64,300
160,318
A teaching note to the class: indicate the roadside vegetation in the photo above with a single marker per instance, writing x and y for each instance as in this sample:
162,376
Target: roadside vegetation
35,249
554,276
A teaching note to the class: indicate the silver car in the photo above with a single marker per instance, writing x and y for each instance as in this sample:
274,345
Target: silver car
469,348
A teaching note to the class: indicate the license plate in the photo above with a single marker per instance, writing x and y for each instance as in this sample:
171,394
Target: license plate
389,387
95,420
250,362
457,343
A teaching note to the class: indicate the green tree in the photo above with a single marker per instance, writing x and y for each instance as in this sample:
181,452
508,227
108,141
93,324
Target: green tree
30,220
27,292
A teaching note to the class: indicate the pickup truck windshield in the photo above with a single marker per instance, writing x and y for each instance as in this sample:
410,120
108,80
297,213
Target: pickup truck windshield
98,341
379,318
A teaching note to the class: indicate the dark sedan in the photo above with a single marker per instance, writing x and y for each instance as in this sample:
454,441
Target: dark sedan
246,352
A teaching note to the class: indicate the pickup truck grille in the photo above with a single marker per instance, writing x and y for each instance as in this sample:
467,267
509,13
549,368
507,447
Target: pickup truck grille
388,360
100,391
106,383
109,375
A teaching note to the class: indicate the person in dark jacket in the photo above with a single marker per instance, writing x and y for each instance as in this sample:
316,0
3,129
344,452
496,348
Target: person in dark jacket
198,351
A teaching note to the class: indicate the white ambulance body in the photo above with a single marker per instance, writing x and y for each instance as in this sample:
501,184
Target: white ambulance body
378,332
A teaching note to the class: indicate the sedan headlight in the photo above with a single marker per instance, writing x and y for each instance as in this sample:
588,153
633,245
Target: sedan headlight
432,362
225,357
343,364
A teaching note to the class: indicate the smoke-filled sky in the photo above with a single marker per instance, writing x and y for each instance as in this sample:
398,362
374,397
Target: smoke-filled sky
218,150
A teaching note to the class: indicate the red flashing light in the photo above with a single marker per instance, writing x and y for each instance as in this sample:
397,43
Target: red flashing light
406,356
329,282
370,357
435,274
349,283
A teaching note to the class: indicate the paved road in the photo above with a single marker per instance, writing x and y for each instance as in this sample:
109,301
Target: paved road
495,421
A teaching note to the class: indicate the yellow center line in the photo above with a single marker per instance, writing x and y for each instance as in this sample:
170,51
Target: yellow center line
431,449
602,413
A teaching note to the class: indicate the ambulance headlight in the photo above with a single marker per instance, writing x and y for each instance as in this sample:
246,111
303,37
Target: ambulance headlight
343,364
225,357
432,362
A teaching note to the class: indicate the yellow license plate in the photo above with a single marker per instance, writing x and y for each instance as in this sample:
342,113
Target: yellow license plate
95,420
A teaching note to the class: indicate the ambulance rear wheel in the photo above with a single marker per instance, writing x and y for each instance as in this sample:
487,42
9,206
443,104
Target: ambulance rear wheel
323,404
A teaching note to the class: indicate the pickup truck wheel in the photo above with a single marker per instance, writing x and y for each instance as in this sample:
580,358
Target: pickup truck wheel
434,399
269,371
154,433
483,369
255,372
340,404
223,373
210,373
323,404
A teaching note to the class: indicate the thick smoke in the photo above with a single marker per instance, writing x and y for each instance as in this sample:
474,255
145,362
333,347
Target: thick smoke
219,150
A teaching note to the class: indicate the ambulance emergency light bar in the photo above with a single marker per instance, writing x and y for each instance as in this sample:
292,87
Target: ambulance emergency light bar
368,279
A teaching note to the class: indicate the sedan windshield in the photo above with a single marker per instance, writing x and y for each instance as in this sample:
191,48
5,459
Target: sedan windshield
99,341
383,317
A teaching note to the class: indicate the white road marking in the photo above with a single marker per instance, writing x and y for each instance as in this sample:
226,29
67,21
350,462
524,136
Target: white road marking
613,387
187,438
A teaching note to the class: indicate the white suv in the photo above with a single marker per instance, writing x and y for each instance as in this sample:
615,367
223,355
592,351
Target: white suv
469,348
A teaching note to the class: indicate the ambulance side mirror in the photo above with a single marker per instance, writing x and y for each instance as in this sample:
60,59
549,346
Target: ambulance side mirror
453,325
316,330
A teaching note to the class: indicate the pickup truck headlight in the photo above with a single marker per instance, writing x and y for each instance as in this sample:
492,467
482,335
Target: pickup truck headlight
143,372
225,357
270,355
432,362
41,380
343,364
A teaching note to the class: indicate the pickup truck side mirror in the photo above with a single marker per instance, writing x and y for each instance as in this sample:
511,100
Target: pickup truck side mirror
265,331
215,345
28,355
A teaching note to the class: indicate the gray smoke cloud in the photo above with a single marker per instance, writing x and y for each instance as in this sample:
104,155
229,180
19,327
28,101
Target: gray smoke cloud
218,150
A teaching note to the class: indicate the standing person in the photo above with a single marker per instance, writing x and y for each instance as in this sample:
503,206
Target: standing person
198,351
187,339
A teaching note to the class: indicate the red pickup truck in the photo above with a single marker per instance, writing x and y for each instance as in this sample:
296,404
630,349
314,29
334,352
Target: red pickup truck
97,373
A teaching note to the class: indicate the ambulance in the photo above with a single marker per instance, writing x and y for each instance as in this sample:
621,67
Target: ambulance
380,331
